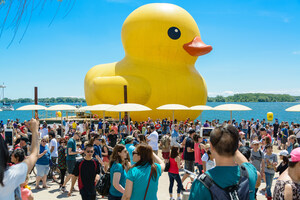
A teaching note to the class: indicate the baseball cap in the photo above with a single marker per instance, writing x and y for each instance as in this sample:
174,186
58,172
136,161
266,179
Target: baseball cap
255,142
129,139
295,155
262,129
284,153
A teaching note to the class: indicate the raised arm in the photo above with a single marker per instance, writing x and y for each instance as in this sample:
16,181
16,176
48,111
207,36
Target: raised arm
159,161
32,158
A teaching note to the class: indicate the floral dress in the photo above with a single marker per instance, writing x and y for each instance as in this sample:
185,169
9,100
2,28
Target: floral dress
279,190
62,158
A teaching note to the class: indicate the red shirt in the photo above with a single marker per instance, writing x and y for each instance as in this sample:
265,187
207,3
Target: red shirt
173,166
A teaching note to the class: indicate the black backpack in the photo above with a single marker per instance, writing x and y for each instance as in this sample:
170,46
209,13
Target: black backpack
240,191
103,185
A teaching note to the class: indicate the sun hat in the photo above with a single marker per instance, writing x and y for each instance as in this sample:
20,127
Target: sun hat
284,153
255,142
129,139
295,155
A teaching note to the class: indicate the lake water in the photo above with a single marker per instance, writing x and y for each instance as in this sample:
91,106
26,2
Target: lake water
259,111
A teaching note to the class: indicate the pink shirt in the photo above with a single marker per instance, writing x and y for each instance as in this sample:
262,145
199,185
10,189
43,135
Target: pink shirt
25,192
198,154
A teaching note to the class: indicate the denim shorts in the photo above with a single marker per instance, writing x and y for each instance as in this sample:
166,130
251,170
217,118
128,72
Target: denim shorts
71,165
42,170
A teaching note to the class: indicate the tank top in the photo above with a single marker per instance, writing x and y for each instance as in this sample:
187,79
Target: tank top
173,166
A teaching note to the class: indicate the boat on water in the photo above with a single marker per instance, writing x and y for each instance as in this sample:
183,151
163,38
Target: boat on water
5,106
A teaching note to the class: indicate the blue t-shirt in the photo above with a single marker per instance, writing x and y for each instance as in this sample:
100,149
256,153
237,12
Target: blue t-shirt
117,167
285,133
71,144
100,124
130,148
45,159
140,176
224,176
97,151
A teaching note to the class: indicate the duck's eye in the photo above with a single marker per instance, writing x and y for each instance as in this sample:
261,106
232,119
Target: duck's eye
174,33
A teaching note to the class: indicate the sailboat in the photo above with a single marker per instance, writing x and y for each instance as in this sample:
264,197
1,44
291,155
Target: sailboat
5,106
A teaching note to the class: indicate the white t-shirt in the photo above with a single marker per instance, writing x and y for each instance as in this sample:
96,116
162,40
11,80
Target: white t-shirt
53,143
153,137
13,177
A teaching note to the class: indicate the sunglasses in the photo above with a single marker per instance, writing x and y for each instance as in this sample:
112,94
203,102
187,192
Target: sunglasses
134,152
90,151
43,141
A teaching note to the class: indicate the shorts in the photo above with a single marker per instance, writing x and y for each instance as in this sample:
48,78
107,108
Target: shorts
165,155
42,170
189,165
284,140
70,166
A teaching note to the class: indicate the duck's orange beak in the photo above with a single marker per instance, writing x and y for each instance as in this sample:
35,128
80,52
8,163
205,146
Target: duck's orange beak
197,47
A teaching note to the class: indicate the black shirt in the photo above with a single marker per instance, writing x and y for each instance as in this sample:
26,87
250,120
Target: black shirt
88,170
281,168
276,126
112,139
189,155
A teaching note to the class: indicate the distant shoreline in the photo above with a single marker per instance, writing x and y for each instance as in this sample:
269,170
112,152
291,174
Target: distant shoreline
246,97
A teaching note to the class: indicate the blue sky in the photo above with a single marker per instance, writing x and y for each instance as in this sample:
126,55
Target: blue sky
256,45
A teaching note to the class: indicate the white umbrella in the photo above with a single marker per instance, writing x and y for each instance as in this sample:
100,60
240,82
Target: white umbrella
295,108
32,107
232,107
61,107
0,110
173,107
128,107
201,107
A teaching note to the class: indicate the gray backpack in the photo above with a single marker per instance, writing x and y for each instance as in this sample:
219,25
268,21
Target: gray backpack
240,191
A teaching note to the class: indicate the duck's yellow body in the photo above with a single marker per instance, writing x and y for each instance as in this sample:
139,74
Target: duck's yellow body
162,43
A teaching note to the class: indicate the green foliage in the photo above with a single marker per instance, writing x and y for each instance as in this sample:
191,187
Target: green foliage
45,100
255,97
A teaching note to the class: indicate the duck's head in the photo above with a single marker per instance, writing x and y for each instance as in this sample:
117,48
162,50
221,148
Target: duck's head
164,33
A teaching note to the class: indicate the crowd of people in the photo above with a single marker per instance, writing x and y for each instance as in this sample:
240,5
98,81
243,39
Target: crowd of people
223,160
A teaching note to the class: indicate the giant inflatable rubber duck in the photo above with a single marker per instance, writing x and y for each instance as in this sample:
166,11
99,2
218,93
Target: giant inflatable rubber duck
162,43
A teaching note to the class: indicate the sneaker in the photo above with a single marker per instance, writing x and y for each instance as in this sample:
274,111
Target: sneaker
179,198
171,198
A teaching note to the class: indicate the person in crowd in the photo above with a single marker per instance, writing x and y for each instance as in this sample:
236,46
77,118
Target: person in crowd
199,152
86,170
175,165
270,168
285,161
42,164
257,159
188,155
96,141
224,143
142,139
205,156
62,164
113,137
152,139
130,147
17,156
284,135
175,136
11,177
119,164
71,158
105,155
292,143
53,145
287,186
142,177
165,144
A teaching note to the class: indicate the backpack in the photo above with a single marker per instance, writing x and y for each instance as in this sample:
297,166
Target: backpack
103,185
240,191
